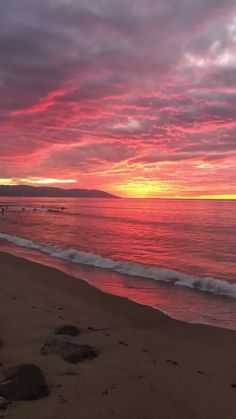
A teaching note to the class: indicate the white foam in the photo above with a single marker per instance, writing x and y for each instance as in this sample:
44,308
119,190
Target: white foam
207,284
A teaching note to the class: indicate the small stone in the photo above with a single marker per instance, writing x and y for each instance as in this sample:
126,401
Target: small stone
105,392
68,330
202,373
70,351
121,342
93,329
170,361
3,403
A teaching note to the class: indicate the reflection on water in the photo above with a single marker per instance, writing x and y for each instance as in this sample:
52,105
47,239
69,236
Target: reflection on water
196,237
192,237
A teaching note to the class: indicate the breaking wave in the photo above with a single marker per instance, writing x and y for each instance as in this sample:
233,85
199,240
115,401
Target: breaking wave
207,284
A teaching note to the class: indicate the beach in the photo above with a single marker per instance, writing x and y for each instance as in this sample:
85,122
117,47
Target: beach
148,365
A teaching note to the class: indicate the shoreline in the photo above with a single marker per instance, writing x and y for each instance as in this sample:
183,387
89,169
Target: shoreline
87,273
149,365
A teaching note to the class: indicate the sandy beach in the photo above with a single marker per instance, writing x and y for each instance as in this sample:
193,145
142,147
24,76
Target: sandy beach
149,366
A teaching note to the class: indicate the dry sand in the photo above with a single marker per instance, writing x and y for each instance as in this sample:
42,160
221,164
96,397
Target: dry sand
149,366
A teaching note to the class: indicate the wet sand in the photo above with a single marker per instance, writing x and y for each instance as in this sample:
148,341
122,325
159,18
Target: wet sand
149,366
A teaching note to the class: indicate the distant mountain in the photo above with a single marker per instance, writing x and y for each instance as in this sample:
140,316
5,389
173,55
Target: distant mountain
48,191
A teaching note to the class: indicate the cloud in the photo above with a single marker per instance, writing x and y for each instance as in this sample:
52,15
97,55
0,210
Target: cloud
120,86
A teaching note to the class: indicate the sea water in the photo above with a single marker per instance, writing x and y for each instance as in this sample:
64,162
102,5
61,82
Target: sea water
175,255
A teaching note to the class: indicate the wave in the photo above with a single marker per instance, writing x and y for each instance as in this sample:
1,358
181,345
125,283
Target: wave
207,284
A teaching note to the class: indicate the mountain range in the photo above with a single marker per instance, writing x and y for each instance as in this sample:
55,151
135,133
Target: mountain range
49,191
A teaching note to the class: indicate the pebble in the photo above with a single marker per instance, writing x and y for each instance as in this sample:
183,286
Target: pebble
3,403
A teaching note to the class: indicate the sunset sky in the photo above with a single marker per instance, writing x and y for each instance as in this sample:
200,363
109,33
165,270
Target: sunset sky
135,97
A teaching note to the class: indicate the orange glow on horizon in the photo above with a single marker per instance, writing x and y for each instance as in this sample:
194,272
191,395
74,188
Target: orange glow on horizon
143,189
140,189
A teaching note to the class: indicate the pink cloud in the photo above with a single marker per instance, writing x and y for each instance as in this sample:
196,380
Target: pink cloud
122,91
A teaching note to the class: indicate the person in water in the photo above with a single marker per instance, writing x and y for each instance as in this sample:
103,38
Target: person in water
3,211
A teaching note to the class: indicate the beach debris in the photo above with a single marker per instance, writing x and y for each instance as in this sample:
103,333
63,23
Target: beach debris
22,382
105,392
3,403
203,373
68,330
121,342
70,351
170,361
93,329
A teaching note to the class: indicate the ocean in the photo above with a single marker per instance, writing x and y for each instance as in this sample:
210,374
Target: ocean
178,256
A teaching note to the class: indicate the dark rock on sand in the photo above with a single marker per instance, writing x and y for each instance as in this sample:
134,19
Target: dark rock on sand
70,351
68,330
22,382
3,403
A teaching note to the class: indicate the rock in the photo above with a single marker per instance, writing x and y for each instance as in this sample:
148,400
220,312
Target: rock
68,330
22,382
70,351
93,329
3,403
69,372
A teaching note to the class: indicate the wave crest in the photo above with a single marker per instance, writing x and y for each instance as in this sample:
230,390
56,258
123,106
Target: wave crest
207,284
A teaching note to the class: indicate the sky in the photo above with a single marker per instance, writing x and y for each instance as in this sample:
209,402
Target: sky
134,97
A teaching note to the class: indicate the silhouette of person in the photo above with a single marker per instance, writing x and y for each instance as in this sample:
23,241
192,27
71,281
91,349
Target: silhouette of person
3,211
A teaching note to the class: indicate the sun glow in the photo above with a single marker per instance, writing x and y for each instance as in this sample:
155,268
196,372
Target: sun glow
7,181
143,188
